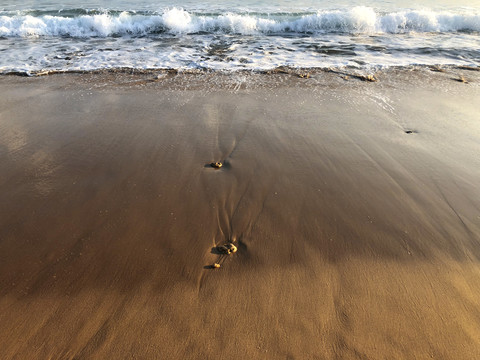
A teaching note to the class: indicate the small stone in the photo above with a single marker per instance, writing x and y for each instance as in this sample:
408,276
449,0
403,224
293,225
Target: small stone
216,165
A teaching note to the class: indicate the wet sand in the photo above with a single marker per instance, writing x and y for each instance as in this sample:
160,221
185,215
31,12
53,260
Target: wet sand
355,208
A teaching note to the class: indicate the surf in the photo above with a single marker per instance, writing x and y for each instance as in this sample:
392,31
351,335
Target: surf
358,20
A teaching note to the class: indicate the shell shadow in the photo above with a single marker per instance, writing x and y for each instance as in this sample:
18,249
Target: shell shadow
209,267
225,165
215,251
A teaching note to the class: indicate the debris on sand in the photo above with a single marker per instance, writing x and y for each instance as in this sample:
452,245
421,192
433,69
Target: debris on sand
280,70
470,68
228,249
370,78
347,76
437,68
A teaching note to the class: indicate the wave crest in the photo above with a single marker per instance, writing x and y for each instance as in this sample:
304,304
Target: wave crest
178,21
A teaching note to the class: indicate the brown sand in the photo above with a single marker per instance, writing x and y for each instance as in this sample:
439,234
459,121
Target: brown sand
355,240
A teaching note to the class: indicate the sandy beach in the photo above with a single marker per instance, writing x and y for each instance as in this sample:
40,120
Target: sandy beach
355,207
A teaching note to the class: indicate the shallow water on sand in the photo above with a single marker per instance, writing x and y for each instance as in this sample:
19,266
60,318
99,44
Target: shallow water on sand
63,36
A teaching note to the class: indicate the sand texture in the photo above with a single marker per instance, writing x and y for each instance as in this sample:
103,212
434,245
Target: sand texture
354,206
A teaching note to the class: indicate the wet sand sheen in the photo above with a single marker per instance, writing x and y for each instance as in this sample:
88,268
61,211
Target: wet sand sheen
356,240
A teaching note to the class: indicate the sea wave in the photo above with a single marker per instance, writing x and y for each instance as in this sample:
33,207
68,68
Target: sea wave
358,20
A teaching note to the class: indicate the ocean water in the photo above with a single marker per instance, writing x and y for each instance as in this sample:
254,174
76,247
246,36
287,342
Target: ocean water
49,35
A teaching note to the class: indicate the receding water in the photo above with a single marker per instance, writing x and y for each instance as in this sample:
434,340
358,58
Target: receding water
236,35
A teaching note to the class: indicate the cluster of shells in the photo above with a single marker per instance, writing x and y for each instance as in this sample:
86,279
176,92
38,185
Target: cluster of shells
226,249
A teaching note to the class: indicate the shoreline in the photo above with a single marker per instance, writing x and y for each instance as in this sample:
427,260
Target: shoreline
298,71
354,206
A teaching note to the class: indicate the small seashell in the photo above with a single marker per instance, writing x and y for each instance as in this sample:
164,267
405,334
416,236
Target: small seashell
370,78
232,248
228,248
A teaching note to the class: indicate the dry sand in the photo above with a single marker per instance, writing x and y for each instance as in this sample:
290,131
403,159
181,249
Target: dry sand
355,239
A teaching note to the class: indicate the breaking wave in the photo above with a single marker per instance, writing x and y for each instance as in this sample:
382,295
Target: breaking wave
358,20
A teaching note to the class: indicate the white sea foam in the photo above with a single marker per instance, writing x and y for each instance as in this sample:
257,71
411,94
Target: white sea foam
32,41
356,20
